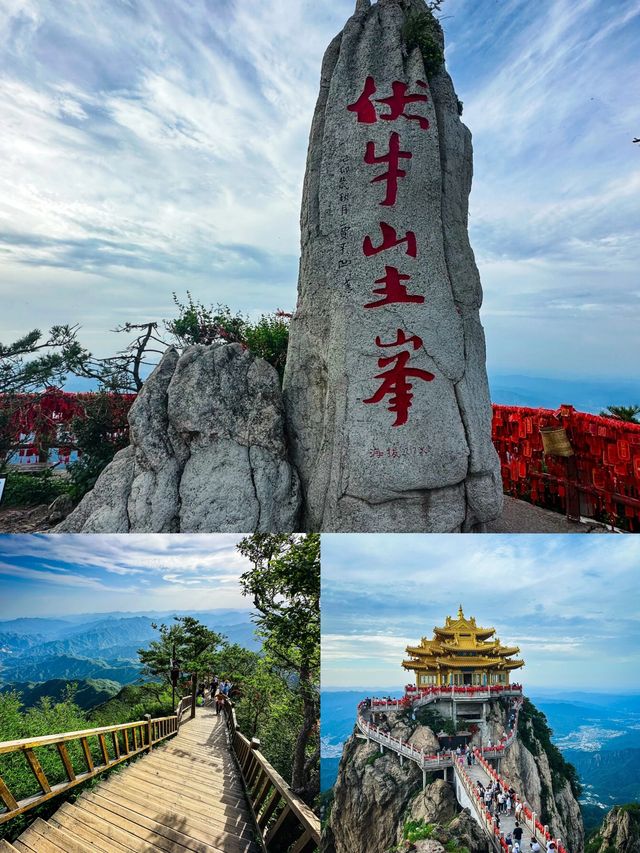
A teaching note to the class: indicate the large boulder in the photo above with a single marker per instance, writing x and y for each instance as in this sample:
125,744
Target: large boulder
386,392
207,452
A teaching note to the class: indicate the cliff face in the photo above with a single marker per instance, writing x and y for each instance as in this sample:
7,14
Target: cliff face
536,769
620,832
375,798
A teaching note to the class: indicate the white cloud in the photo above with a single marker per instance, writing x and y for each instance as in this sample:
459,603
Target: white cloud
173,157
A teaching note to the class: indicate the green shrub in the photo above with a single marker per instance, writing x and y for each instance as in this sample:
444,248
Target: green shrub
371,759
26,489
422,30
196,323
417,830
436,722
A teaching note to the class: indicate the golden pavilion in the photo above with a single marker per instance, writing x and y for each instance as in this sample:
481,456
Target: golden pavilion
461,653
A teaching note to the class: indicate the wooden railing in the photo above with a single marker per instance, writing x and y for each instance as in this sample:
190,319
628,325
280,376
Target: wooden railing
183,709
72,758
284,821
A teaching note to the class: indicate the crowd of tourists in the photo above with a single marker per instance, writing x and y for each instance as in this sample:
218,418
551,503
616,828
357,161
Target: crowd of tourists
220,691
498,799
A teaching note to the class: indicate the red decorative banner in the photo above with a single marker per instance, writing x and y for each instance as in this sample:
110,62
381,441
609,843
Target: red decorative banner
604,474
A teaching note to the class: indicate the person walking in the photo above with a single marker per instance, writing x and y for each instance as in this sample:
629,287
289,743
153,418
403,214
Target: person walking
535,846
518,811
517,833
220,697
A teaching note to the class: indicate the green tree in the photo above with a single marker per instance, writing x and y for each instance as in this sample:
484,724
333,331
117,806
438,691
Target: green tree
235,663
98,436
196,647
622,413
34,361
284,584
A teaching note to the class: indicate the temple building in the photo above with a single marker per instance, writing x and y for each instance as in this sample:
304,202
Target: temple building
461,653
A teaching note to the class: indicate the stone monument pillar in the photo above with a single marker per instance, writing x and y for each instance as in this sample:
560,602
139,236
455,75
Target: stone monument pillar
386,395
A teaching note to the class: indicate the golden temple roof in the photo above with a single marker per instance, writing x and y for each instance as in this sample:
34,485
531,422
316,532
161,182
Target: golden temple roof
460,643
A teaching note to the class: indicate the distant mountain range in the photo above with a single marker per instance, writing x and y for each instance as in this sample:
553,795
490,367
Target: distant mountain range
586,395
100,651
88,692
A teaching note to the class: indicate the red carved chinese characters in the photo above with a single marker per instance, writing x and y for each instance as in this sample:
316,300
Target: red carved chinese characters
393,291
365,110
395,377
398,101
395,384
363,107
392,158
389,240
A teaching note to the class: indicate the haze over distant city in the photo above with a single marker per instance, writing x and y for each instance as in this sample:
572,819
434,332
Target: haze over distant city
150,147
569,602
42,575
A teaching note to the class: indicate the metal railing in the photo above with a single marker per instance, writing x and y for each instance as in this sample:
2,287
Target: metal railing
431,761
283,820
73,757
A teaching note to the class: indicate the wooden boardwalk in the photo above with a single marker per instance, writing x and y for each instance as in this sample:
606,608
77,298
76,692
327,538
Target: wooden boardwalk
186,794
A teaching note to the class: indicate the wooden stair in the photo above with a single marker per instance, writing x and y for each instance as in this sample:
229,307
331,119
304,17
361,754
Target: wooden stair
186,795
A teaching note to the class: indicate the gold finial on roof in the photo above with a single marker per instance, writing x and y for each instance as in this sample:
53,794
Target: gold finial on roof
460,613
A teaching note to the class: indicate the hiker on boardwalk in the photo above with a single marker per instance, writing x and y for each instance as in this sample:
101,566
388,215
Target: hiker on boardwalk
535,846
219,697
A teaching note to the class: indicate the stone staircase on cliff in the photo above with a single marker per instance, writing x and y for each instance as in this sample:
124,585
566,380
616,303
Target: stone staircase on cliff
464,777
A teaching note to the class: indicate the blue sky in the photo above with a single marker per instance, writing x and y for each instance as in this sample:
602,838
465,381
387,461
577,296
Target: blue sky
149,146
570,602
56,575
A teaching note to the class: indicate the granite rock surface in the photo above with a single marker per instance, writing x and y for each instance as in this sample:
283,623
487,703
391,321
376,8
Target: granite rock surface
207,453
372,453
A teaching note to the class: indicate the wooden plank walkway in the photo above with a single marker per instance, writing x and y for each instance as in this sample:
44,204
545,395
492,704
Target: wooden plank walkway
186,795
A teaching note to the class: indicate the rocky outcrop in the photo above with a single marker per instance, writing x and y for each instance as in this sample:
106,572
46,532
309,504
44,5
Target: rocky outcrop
620,831
207,452
375,796
436,804
372,794
364,465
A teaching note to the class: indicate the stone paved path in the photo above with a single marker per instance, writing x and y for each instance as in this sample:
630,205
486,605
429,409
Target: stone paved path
522,517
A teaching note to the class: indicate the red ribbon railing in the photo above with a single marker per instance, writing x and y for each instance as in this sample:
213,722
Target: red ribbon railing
602,479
